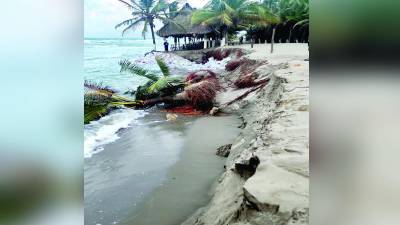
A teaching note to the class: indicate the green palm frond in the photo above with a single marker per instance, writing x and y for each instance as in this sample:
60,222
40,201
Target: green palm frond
166,20
99,101
302,23
144,31
125,23
258,15
94,112
226,19
161,5
146,12
165,82
91,86
130,6
132,25
128,66
173,9
205,17
163,66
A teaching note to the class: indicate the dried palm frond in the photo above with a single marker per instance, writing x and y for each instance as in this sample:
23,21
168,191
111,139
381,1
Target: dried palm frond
201,95
246,81
98,87
220,54
199,75
232,65
247,75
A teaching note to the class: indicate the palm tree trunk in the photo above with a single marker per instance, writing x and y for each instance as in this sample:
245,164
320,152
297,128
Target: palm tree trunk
152,34
272,40
224,36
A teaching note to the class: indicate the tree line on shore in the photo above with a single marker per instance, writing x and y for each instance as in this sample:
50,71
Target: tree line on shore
266,20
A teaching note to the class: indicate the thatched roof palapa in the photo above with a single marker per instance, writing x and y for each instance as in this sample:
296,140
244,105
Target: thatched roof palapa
183,26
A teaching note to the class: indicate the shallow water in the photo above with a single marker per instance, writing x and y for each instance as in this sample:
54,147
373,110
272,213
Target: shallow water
140,168
157,172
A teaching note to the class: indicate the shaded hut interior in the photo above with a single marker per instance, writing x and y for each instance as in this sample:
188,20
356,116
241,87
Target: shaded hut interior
186,35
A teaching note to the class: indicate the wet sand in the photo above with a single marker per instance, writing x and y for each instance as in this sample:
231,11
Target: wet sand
158,172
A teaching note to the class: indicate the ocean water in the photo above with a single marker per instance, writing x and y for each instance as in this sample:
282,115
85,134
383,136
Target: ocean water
101,57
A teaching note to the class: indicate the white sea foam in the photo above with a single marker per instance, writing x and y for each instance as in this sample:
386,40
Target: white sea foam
179,65
105,130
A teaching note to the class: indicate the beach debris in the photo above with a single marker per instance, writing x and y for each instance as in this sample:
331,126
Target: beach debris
99,100
187,110
224,150
214,111
233,65
202,90
247,73
193,95
222,53
242,96
171,117
247,167
250,80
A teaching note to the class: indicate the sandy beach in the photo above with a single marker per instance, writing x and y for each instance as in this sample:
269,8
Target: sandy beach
273,141
141,164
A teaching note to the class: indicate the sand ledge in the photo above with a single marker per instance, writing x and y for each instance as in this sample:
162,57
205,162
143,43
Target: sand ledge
276,130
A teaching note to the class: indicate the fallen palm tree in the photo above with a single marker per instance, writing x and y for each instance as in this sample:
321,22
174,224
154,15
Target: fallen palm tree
156,86
199,92
192,95
99,100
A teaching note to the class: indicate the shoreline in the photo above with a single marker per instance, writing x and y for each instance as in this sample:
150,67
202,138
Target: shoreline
275,131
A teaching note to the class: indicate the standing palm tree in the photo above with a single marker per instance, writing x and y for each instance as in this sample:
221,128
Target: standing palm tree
145,12
258,16
289,12
233,14
223,14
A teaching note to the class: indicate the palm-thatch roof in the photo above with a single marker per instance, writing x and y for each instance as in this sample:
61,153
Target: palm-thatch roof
183,26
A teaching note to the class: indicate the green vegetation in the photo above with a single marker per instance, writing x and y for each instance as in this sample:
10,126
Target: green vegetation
145,12
100,100
158,85
269,20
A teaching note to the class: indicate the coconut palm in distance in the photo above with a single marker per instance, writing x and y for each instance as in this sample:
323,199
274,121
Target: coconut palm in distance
232,14
145,12
223,14
287,11
261,15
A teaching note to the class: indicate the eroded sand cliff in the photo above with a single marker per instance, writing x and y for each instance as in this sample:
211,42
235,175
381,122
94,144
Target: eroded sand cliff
266,178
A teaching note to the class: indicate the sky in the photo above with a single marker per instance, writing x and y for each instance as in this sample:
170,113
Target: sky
101,16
